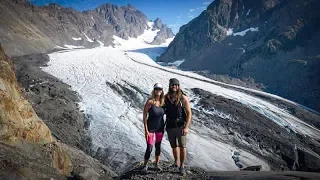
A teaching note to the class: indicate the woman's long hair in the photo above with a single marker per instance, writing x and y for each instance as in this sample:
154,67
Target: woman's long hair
153,97
179,95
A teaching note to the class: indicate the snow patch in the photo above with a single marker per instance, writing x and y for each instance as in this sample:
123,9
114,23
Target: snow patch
248,12
77,39
73,47
150,24
176,63
148,34
59,47
229,31
242,33
101,43
141,42
88,39
243,50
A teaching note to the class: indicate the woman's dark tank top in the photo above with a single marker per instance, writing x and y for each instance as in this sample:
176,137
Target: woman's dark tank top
155,119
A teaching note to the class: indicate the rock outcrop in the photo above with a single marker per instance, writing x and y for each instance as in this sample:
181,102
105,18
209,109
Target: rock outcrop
19,122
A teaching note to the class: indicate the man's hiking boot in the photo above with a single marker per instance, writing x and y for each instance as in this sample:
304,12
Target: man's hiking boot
182,171
145,169
157,167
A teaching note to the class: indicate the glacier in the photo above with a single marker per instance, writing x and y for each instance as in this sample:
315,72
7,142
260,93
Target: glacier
101,74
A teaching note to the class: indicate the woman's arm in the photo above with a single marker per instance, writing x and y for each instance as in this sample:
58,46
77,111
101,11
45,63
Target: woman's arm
145,114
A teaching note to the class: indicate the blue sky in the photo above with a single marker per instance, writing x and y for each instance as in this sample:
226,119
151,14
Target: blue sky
174,13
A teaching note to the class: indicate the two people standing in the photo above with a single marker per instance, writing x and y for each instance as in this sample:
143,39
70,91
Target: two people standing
176,106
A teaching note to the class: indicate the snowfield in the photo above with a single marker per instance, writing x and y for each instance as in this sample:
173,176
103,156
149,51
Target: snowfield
116,123
241,33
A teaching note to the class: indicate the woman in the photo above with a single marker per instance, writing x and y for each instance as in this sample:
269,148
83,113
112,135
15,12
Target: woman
154,124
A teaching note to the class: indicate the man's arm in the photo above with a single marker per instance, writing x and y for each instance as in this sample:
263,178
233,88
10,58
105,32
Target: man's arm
188,113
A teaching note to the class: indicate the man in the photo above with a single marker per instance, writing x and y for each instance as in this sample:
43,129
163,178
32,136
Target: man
178,119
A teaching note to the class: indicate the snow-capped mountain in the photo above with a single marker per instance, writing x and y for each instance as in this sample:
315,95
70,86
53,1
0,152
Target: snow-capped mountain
30,29
232,127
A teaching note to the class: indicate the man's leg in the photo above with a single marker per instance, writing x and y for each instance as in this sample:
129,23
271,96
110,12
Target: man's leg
173,143
183,156
175,152
182,142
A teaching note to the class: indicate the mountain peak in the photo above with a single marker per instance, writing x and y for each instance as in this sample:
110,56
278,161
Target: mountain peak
158,23
130,6
54,5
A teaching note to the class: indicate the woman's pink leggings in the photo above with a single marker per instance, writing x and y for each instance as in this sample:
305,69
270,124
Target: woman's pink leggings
153,137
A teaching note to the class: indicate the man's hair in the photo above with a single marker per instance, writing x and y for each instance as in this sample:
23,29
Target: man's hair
178,93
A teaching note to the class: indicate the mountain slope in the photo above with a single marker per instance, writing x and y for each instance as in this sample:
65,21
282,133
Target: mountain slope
29,29
257,39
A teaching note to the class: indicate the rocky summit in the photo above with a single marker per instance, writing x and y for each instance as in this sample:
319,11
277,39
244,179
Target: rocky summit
275,42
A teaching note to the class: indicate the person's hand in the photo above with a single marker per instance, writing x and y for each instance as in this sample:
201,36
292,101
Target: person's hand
185,131
146,134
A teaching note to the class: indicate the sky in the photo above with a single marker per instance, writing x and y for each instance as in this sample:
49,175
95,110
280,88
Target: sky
174,13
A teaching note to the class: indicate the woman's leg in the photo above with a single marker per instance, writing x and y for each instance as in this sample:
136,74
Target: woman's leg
150,143
159,136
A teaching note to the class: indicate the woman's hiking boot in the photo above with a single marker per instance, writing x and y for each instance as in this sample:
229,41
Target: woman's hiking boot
157,167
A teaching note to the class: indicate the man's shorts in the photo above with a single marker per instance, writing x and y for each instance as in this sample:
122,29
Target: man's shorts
176,138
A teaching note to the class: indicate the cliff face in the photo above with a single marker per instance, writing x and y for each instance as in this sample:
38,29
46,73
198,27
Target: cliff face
29,29
272,41
18,119
19,122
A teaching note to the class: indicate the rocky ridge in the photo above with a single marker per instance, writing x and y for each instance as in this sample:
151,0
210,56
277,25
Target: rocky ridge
30,29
